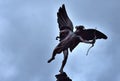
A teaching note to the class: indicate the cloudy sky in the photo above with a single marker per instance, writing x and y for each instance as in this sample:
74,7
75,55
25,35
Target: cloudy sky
27,38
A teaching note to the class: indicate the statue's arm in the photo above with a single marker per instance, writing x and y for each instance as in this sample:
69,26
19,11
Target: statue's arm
86,41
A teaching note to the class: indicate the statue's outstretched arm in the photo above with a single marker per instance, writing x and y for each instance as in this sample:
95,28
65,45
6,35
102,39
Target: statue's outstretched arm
86,41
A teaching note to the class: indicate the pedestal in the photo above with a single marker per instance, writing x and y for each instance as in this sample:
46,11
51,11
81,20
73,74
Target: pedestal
62,77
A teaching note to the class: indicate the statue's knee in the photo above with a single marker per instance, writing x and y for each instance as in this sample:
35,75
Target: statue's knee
57,50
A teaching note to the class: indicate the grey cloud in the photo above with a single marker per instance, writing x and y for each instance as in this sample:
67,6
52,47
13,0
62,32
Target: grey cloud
27,38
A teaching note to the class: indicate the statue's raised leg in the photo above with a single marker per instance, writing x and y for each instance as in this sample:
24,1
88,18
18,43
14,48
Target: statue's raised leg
57,50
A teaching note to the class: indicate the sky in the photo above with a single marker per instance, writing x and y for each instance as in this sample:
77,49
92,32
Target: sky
27,38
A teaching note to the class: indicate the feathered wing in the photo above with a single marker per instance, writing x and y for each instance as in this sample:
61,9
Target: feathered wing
74,43
64,22
88,34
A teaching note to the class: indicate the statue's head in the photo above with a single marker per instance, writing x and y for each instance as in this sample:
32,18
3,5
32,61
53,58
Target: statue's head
80,27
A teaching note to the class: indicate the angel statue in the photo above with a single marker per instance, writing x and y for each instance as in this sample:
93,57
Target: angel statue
69,39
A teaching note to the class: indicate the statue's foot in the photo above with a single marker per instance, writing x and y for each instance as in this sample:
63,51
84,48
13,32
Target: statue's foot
50,60
61,71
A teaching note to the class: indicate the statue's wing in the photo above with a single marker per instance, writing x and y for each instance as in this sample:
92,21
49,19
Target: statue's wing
89,34
74,43
64,21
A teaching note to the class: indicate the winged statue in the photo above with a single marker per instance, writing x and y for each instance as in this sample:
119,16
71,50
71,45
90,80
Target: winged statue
69,39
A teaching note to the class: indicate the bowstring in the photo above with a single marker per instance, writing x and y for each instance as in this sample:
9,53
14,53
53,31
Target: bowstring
89,49
92,43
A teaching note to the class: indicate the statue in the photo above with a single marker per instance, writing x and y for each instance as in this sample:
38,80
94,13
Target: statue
69,39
